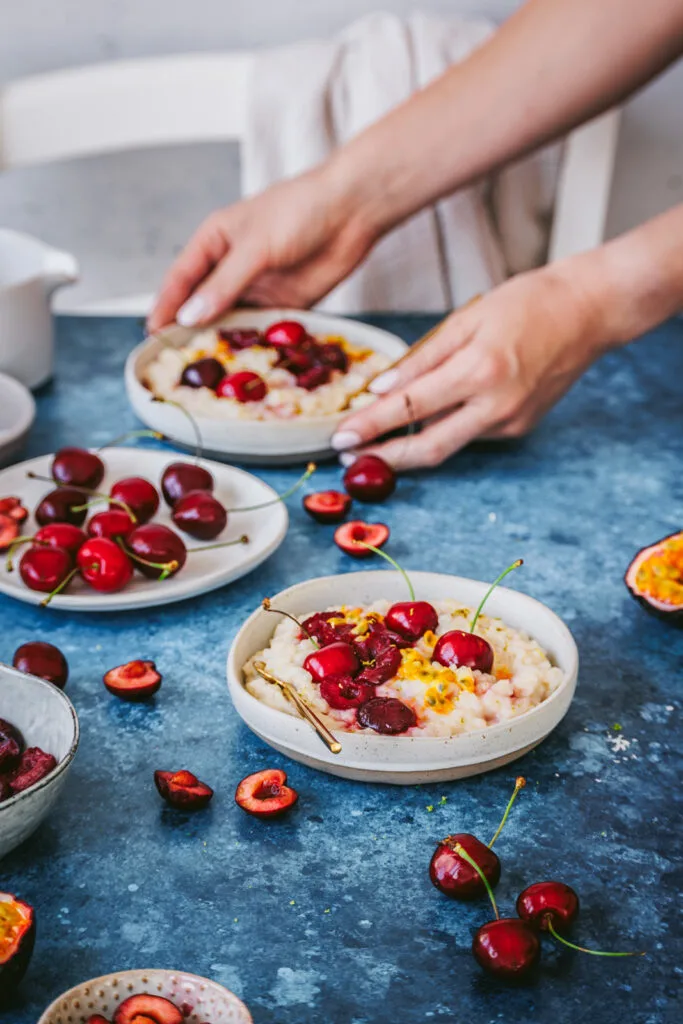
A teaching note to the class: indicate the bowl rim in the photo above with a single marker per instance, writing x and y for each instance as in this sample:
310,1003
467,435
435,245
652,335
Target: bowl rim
28,408
69,756
133,974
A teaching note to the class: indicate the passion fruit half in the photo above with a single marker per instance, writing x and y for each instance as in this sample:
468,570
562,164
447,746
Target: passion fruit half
655,578
17,937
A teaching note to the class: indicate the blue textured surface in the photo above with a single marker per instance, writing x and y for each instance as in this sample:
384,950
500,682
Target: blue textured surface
329,915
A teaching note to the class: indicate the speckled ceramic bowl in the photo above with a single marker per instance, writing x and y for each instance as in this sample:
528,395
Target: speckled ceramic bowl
46,718
204,1001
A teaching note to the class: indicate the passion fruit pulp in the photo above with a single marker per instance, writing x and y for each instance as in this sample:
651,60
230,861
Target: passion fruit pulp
655,578
17,937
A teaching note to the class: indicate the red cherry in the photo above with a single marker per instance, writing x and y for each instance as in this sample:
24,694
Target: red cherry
387,716
104,566
265,795
411,619
337,659
343,693
182,477
58,507
39,658
382,668
9,531
352,537
453,876
548,901
77,467
137,680
457,648
241,338
113,524
139,495
147,1009
35,764
44,568
507,948
319,627
97,1018
11,746
203,373
62,535
243,386
370,478
314,378
333,355
286,332
160,546
301,359
327,506
200,514
183,790
13,508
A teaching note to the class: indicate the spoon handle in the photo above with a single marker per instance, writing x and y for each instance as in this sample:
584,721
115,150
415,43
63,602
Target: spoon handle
302,707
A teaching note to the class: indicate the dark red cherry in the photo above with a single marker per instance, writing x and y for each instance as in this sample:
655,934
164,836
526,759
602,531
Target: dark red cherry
344,693
412,619
370,478
58,507
77,467
113,524
352,537
104,566
204,373
243,386
321,629
387,716
159,545
300,359
135,681
62,535
333,356
265,795
33,766
382,668
548,901
11,746
241,337
337,659
507,948
139,495
314,378
457,648
286,332
182,477
453,876
200,514
39,658
44,568
183,790
327,506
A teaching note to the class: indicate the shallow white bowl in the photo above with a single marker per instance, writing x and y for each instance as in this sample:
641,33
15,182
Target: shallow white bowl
277,441
46,718
396,759
17,413
206,1001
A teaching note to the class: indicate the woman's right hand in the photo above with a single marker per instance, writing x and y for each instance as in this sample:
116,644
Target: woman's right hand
288,246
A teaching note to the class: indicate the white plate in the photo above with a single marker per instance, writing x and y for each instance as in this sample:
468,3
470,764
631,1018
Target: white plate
277,441
202,572
17,413
369,757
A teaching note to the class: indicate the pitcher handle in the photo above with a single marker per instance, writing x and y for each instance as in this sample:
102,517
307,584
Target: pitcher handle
59,268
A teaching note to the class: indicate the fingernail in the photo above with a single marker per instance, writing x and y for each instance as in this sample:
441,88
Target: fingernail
347,459
345,439
194,310
385,382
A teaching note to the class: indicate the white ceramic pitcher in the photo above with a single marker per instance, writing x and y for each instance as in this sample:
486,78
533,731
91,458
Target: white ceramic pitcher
30,271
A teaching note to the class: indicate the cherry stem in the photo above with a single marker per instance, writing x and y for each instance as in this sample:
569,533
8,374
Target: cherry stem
167,567
582,949
278,611
224,544
129,435
17,542
515,565
462,852
310,470
65,582
391,561
199,446
520,783
105,497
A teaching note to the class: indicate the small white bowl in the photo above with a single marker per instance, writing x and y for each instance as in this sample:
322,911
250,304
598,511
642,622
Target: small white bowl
262,441
368,757
206,1001
17,413
46,718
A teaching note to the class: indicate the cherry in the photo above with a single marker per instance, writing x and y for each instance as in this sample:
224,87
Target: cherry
355,536
241,338
11,746
39,658
62,535
97,1018
343,693
314,378
137,680
383,667
370,478
158,552
547,902
45,568
104,566
182,477
114,524
301,359
336,659
243,386
77,467
506,947
183,790
454,876
333,355
200,514
9,531
204,373
412,619
139,495
63,505
320,629
33,766
285,333
146,1009
387,716
13,508
265,795
327,506
457,648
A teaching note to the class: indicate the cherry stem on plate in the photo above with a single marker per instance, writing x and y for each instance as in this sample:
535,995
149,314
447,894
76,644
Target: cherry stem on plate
392,561
9,561
199,445
267,607
65,582
224,544
582,949
520,783
310,470
462,852
129,435
515,565
166,567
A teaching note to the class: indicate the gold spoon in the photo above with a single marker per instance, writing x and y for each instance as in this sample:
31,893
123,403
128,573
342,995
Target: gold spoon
302,707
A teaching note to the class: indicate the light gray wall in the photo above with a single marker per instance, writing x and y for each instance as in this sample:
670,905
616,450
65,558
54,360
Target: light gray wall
125,215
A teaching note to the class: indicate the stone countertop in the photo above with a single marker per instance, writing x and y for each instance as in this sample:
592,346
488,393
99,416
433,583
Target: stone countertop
329,915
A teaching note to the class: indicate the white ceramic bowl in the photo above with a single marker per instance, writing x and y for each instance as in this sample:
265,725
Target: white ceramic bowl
17,413
401,759
277,441
46,718
206,1001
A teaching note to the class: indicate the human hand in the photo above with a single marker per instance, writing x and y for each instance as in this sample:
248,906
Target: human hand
492,370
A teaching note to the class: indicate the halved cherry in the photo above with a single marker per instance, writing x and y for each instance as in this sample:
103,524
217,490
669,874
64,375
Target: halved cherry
264,794
336,659
97,1018
314,378
241,337
139,495
114,524
146,1009
286,332
350,535
17,938
327,506
11,746
104,566
39,658
344,693
321,628
13,508
243,386
183,790
134,681
334,356
33,766
9,531
387,716
382,668
411,619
